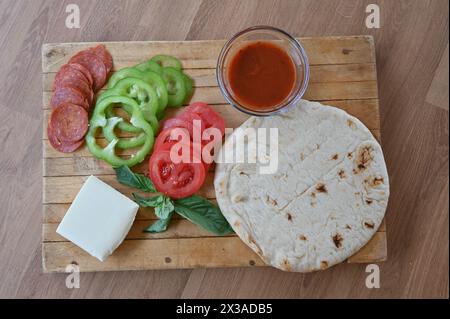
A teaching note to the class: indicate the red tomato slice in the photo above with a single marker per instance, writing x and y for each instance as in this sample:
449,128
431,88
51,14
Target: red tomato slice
210,117
167,146
165,137
176,122
184,120
191,117
175,180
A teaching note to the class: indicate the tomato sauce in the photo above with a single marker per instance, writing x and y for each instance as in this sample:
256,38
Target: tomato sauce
261,75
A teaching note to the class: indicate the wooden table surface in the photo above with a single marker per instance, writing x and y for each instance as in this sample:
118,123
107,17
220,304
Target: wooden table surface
412,64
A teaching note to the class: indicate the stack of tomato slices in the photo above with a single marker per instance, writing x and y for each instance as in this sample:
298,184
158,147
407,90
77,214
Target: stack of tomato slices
204,129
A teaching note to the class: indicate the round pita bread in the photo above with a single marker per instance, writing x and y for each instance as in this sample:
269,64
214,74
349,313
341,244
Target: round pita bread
325,201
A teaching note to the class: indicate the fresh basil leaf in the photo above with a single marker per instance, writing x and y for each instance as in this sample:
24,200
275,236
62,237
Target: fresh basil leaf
160,225
153,201
163,205
202,212
165,208
127,177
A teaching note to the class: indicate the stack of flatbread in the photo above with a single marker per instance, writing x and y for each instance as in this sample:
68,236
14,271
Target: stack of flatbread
324,202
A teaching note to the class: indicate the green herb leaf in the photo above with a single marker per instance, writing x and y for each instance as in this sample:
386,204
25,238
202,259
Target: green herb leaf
160,225
153,201
127,177
163,205
202,212
165,208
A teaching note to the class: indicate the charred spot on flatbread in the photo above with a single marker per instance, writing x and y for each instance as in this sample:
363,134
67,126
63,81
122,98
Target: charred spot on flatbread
337,240
286,265
252,241
369,225
351,124
335,157
302,237
271,201
289,217
363,159
369,201
341,173
237,198
323,265
321,188
374,181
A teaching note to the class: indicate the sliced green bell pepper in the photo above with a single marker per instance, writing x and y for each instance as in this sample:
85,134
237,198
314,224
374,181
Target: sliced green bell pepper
99,120
150,77
149,66
140,91
176,87
167,61
189,85
123,142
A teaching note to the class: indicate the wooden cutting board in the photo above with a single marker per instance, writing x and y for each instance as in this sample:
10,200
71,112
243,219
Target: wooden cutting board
343,74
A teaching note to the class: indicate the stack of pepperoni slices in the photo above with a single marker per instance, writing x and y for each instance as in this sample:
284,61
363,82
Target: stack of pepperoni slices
74,90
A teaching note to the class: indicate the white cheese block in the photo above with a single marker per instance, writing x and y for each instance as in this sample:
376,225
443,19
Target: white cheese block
98,219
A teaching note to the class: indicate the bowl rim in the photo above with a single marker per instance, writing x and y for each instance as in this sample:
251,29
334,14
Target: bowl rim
287,104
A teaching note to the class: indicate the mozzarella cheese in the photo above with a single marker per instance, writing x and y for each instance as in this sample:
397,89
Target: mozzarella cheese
98,219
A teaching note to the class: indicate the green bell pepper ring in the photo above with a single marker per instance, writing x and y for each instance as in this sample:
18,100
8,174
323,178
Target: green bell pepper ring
108,131
124,143
150,77
128,127
125,73
167,61
99,120
189,85
149,66
142,92
104,94
124,126
175,86
156,81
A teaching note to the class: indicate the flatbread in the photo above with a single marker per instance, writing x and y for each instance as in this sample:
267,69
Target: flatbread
325,201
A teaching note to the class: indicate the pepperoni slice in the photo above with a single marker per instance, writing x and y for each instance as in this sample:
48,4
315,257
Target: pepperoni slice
69,72
69,76
85,72
95,66
101,51
69,122
67,94
64,147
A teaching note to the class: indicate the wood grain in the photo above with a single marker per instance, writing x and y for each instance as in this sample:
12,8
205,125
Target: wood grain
438,91
203,54
145,254
410,46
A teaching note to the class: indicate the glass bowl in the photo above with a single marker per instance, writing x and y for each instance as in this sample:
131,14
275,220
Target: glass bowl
282,39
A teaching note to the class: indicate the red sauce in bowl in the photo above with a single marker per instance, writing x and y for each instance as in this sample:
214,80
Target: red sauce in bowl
261,75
